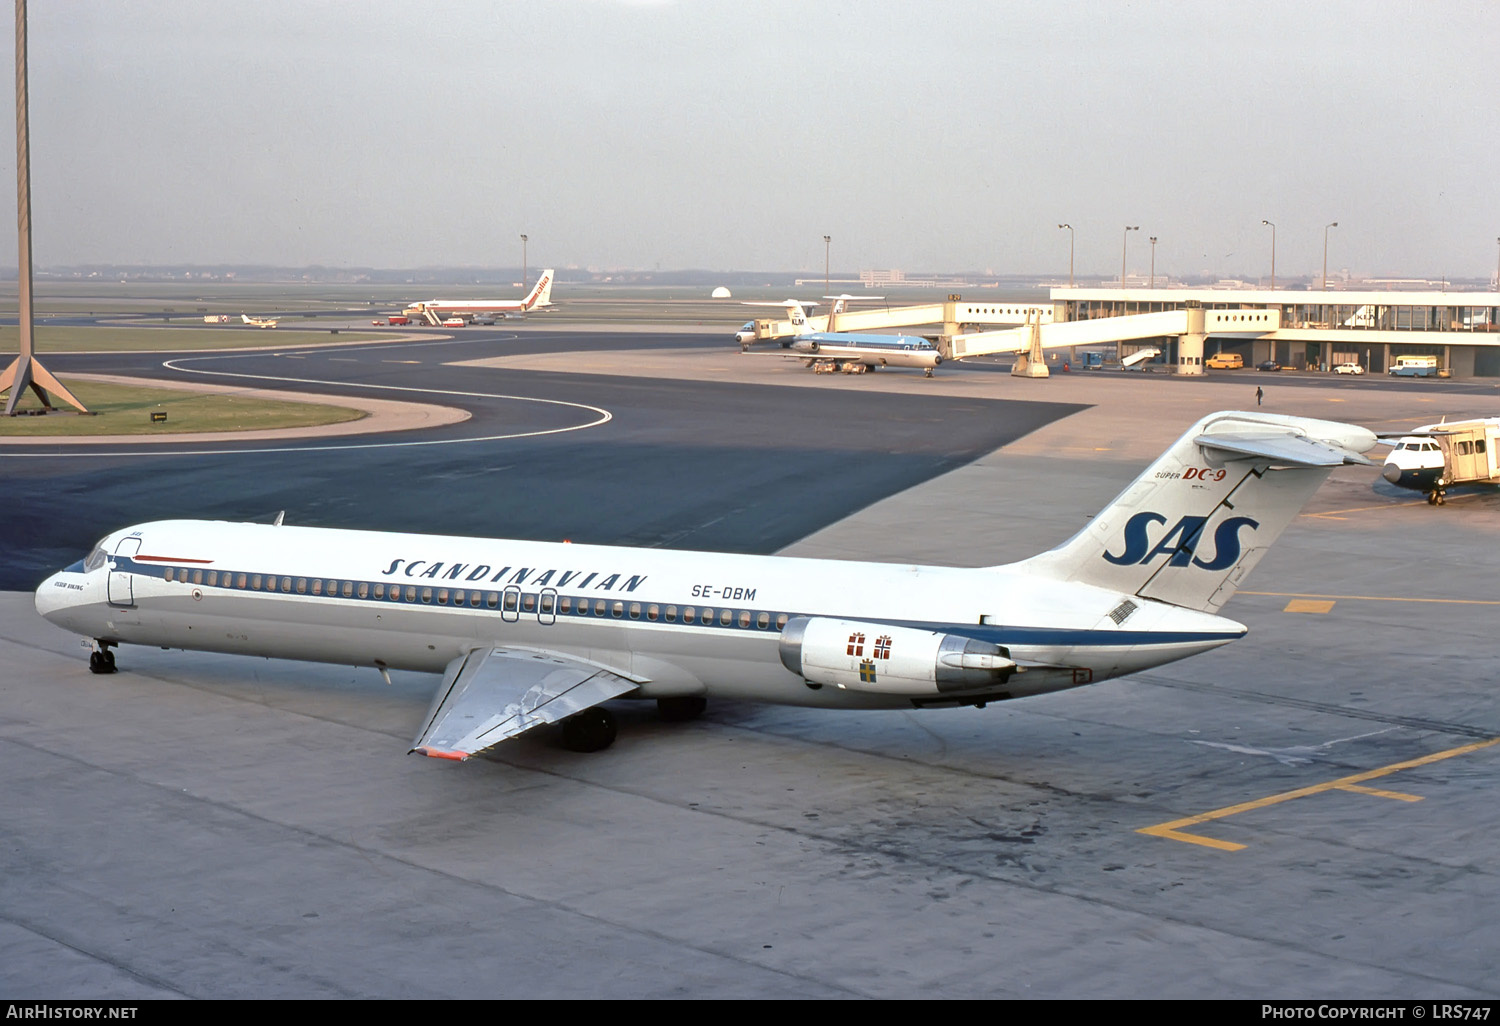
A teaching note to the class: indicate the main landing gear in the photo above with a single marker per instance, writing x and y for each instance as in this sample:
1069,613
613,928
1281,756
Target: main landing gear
102,660
591,730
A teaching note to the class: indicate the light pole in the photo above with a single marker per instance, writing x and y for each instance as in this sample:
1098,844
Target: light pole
1273,253
26,371
1070,252
523,261
827,240
1153,261
1330,224
1125,243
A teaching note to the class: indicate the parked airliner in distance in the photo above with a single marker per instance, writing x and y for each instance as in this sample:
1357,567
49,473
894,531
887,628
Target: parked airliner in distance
1437,456
434,311
850,352
526,633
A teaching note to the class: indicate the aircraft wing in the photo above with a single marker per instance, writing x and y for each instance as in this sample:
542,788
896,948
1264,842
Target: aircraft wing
492,693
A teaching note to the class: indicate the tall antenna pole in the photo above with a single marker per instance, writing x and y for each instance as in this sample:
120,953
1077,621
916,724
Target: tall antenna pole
26,371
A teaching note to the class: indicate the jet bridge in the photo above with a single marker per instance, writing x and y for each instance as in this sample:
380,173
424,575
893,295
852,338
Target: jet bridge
1191,326
953,315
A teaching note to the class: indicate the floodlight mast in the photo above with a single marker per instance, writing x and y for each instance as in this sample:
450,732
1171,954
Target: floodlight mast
26,371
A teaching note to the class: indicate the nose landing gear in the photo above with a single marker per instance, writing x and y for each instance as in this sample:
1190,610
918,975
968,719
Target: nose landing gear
102,660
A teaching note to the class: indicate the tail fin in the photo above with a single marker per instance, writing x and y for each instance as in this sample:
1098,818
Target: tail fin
1190,528
541,294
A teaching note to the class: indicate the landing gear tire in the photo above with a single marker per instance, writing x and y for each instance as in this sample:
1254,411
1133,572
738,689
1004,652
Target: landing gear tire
102,661
680,710
592,730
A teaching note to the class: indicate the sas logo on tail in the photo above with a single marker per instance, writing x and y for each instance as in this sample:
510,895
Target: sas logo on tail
1181,541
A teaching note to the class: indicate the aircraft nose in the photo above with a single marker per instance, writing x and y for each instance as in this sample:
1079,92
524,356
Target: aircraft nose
50,596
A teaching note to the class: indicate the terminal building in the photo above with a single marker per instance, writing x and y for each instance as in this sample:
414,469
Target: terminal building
1312,330
1457,332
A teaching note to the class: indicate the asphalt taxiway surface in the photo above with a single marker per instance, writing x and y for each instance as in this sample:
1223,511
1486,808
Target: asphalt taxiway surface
1307,812
718,465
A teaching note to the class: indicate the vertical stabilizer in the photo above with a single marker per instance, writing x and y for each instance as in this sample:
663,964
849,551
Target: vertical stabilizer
1190,528
541,294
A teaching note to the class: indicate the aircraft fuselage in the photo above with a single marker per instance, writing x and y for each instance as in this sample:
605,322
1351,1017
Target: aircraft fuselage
677,623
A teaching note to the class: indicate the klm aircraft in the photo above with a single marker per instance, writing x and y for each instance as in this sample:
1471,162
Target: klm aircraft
529,633
847,352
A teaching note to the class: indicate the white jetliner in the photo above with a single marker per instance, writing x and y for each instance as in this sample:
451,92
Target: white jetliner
849,352
437,310
1433,458
259,322
527,633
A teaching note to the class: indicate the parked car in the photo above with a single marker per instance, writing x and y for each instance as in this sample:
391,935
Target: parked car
1225,361
1268,365
455,322
1348,368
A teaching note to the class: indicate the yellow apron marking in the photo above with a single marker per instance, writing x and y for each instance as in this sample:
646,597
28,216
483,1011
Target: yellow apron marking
1400,796
1374,598
1308,606
1173,830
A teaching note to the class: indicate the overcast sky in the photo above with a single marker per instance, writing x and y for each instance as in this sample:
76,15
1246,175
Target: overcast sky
734,135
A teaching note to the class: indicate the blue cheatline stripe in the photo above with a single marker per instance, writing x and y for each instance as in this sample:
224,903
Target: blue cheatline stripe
999,634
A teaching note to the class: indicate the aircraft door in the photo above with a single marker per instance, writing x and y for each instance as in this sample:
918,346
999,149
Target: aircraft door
1464,450
122,582
546,607
510,604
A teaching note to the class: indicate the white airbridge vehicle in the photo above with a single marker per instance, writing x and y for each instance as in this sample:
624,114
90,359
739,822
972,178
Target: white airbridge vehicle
527,633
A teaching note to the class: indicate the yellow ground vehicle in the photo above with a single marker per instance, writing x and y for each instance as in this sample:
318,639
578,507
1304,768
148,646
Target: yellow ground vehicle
1225,361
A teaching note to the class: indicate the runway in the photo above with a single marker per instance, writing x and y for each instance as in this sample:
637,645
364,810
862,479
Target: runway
1308,812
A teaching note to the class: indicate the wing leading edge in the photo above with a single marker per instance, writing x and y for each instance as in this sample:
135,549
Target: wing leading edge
493,693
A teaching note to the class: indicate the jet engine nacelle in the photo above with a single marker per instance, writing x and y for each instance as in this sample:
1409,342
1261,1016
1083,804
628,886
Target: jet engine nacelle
889,660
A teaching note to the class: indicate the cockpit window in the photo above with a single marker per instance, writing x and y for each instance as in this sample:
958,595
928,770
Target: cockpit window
96,558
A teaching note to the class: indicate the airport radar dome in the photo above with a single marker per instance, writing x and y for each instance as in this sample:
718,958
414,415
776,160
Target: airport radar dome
721,293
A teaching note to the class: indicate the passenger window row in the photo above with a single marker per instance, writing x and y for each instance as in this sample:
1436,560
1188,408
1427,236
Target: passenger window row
511,600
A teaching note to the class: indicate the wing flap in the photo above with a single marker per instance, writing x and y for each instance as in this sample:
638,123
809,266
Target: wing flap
490,694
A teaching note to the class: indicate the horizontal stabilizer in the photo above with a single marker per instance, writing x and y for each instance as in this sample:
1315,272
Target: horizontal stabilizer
490,694
1282,448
